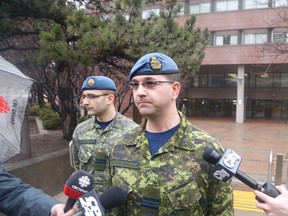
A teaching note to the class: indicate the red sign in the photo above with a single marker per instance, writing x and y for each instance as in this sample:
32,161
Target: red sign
4,106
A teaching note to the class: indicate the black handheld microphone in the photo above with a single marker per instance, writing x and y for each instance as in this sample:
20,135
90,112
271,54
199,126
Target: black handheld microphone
226,166
79,183
92,204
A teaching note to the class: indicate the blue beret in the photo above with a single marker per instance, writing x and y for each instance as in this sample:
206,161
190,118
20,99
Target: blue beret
154,64
98,83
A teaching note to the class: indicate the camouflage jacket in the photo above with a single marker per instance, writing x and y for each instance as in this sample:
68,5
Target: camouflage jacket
91,146
175,181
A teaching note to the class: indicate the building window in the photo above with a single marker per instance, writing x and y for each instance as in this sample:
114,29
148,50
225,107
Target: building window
201,7
264,80
231,79
148,12
257,37
280,3
250,4
216,80
280,35
201,80
281,80
226,5
226,38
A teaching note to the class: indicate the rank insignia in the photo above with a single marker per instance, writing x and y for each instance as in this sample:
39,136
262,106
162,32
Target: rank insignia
155,64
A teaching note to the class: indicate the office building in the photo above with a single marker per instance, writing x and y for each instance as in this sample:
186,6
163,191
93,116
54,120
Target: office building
241,75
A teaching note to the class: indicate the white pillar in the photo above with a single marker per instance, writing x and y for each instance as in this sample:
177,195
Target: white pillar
240,95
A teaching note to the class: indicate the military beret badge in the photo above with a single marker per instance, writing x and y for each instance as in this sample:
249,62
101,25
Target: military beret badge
91,82
155,64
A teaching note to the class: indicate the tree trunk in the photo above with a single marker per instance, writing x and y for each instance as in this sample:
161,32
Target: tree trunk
67,108
40,94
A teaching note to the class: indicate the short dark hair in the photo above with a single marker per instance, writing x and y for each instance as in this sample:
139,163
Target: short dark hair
173,77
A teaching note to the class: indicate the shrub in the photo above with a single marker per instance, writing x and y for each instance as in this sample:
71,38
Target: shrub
51,120
34,110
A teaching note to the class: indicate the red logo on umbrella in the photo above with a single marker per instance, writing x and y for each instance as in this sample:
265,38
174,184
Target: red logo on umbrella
4,107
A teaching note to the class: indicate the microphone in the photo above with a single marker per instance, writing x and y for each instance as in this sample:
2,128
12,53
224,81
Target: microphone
92,204
226,166
79,183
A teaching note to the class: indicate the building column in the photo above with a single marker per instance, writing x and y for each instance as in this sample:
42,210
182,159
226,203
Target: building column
240,111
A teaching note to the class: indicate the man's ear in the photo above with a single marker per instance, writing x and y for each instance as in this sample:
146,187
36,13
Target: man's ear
176,90
111,98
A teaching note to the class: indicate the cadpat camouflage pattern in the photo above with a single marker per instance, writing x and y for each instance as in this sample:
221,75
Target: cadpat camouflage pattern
92,145
175,181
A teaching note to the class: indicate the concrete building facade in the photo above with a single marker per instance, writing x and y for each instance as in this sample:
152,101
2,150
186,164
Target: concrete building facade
242,74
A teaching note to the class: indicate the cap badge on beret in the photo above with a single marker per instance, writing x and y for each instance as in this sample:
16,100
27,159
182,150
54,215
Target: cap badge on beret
91,82
155,64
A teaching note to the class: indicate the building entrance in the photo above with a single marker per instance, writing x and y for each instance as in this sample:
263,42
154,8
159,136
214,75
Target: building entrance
268,109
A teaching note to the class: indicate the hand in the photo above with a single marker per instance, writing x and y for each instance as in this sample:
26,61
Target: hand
274,206
58,210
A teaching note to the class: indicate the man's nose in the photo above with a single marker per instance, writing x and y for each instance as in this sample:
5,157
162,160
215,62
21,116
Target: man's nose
141,90
85,101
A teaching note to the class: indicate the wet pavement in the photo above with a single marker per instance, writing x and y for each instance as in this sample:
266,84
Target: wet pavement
257,141
254,140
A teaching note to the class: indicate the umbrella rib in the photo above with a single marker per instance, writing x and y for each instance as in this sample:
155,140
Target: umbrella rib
11,143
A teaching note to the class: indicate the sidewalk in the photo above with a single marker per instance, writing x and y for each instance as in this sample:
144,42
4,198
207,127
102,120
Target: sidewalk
253,140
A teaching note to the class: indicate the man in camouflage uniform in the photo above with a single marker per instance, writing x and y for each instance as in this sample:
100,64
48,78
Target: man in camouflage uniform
94,138
160,163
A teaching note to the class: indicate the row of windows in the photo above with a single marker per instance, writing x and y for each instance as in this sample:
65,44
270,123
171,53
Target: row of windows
227,108
221,80
259,36
197,7
205,6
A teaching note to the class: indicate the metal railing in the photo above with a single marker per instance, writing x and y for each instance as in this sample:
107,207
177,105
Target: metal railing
278,168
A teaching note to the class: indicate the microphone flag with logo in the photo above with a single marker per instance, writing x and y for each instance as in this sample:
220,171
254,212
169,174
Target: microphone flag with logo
79,183
226,166
91,204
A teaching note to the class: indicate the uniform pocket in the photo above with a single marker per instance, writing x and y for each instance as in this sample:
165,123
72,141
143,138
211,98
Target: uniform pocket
85,153
186,198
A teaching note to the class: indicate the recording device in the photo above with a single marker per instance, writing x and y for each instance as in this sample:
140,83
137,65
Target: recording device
226,166
79,183
91,204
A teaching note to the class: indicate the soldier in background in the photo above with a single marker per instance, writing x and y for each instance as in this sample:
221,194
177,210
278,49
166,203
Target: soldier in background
160,162
94,138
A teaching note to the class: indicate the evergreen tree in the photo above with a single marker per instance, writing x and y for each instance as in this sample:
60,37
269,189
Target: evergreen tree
107,40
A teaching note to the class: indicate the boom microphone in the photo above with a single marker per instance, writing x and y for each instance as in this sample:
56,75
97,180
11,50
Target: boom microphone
92,204
226,166
79,183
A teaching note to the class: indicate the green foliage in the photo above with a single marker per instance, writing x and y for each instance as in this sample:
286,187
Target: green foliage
74,44
33,110
90,40
50,119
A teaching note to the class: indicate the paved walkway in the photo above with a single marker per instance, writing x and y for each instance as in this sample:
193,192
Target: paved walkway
253,140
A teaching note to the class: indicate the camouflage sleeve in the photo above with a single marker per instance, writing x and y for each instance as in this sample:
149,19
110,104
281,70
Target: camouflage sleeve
220,198
75,150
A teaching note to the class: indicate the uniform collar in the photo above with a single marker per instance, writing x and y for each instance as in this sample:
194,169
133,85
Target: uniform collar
115,124
181,139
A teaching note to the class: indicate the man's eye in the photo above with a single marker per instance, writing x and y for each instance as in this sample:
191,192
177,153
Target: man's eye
135,84
150,83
